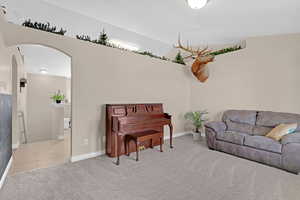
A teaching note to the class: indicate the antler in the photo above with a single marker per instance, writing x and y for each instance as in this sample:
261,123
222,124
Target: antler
198,52
188,48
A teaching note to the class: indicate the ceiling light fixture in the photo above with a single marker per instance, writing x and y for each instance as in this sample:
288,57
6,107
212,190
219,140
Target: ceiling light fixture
197,4
44,70
124,45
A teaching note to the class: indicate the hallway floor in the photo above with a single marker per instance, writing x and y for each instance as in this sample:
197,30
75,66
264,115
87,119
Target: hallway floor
42,154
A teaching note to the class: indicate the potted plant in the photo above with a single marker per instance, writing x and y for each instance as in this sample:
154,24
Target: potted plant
198,119
58,97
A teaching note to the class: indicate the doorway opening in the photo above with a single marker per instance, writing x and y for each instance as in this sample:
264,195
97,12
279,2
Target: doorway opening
42,135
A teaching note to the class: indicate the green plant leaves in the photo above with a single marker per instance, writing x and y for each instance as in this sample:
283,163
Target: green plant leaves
58,96
198,118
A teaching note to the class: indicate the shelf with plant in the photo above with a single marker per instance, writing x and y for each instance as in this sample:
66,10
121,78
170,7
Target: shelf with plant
58,97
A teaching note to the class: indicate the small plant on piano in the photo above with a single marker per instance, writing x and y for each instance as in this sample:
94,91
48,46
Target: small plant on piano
198,118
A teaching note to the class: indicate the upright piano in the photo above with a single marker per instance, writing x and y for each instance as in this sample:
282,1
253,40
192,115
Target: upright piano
123,119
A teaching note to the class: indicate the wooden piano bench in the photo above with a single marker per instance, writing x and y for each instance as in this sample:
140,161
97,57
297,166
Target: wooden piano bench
143,136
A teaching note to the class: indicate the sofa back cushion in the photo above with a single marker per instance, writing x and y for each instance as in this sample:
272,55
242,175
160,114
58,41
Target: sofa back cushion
240,116
241,121
239,127
272,119
261,130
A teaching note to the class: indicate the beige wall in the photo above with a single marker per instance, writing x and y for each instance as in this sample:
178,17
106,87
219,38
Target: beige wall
263,76
247,79
39,105
106,75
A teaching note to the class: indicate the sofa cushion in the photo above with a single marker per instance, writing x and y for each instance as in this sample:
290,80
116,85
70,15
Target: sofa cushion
263,143
270,158
240,116
272,119
232,137
291,138
261,130
239,127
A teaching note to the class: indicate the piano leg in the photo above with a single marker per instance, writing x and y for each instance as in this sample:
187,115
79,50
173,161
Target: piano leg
118,160
118,150
137,145
161,144
171,135
127,141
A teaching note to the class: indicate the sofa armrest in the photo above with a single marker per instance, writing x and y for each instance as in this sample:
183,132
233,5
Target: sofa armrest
291,157
291,138
216,126
211,130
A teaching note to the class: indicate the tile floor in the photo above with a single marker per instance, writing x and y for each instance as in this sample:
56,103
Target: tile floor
41,155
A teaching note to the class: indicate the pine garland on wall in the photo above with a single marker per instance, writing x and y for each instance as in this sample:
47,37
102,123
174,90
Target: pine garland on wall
226,50
103,39
179,59
44,27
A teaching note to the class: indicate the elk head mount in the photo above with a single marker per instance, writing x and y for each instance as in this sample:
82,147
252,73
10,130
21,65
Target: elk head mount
201,58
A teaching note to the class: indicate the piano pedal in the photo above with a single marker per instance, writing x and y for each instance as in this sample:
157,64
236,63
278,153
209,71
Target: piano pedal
141,148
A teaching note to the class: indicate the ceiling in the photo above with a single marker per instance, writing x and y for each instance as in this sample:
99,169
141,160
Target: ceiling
221,21
37,57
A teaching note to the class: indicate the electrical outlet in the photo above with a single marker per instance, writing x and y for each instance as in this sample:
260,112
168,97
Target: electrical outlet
86,141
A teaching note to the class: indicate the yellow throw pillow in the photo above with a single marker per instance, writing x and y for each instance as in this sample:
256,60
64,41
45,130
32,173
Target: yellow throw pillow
281,130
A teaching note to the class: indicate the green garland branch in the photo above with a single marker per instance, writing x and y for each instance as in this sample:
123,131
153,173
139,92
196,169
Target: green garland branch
103,39
148,53
226,50
44,27
179,59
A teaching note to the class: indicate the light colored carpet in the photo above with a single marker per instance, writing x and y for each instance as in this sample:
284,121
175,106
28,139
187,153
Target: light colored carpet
189,172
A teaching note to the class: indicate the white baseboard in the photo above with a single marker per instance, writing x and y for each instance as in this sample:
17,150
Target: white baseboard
87,156
15,146
99,153
167,136
2,180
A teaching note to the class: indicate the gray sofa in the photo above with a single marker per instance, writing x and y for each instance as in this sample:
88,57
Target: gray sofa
242,133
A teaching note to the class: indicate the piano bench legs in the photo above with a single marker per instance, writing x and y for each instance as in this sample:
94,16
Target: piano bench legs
142,137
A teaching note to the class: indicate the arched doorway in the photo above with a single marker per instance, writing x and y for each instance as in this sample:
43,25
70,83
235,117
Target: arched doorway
42,101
